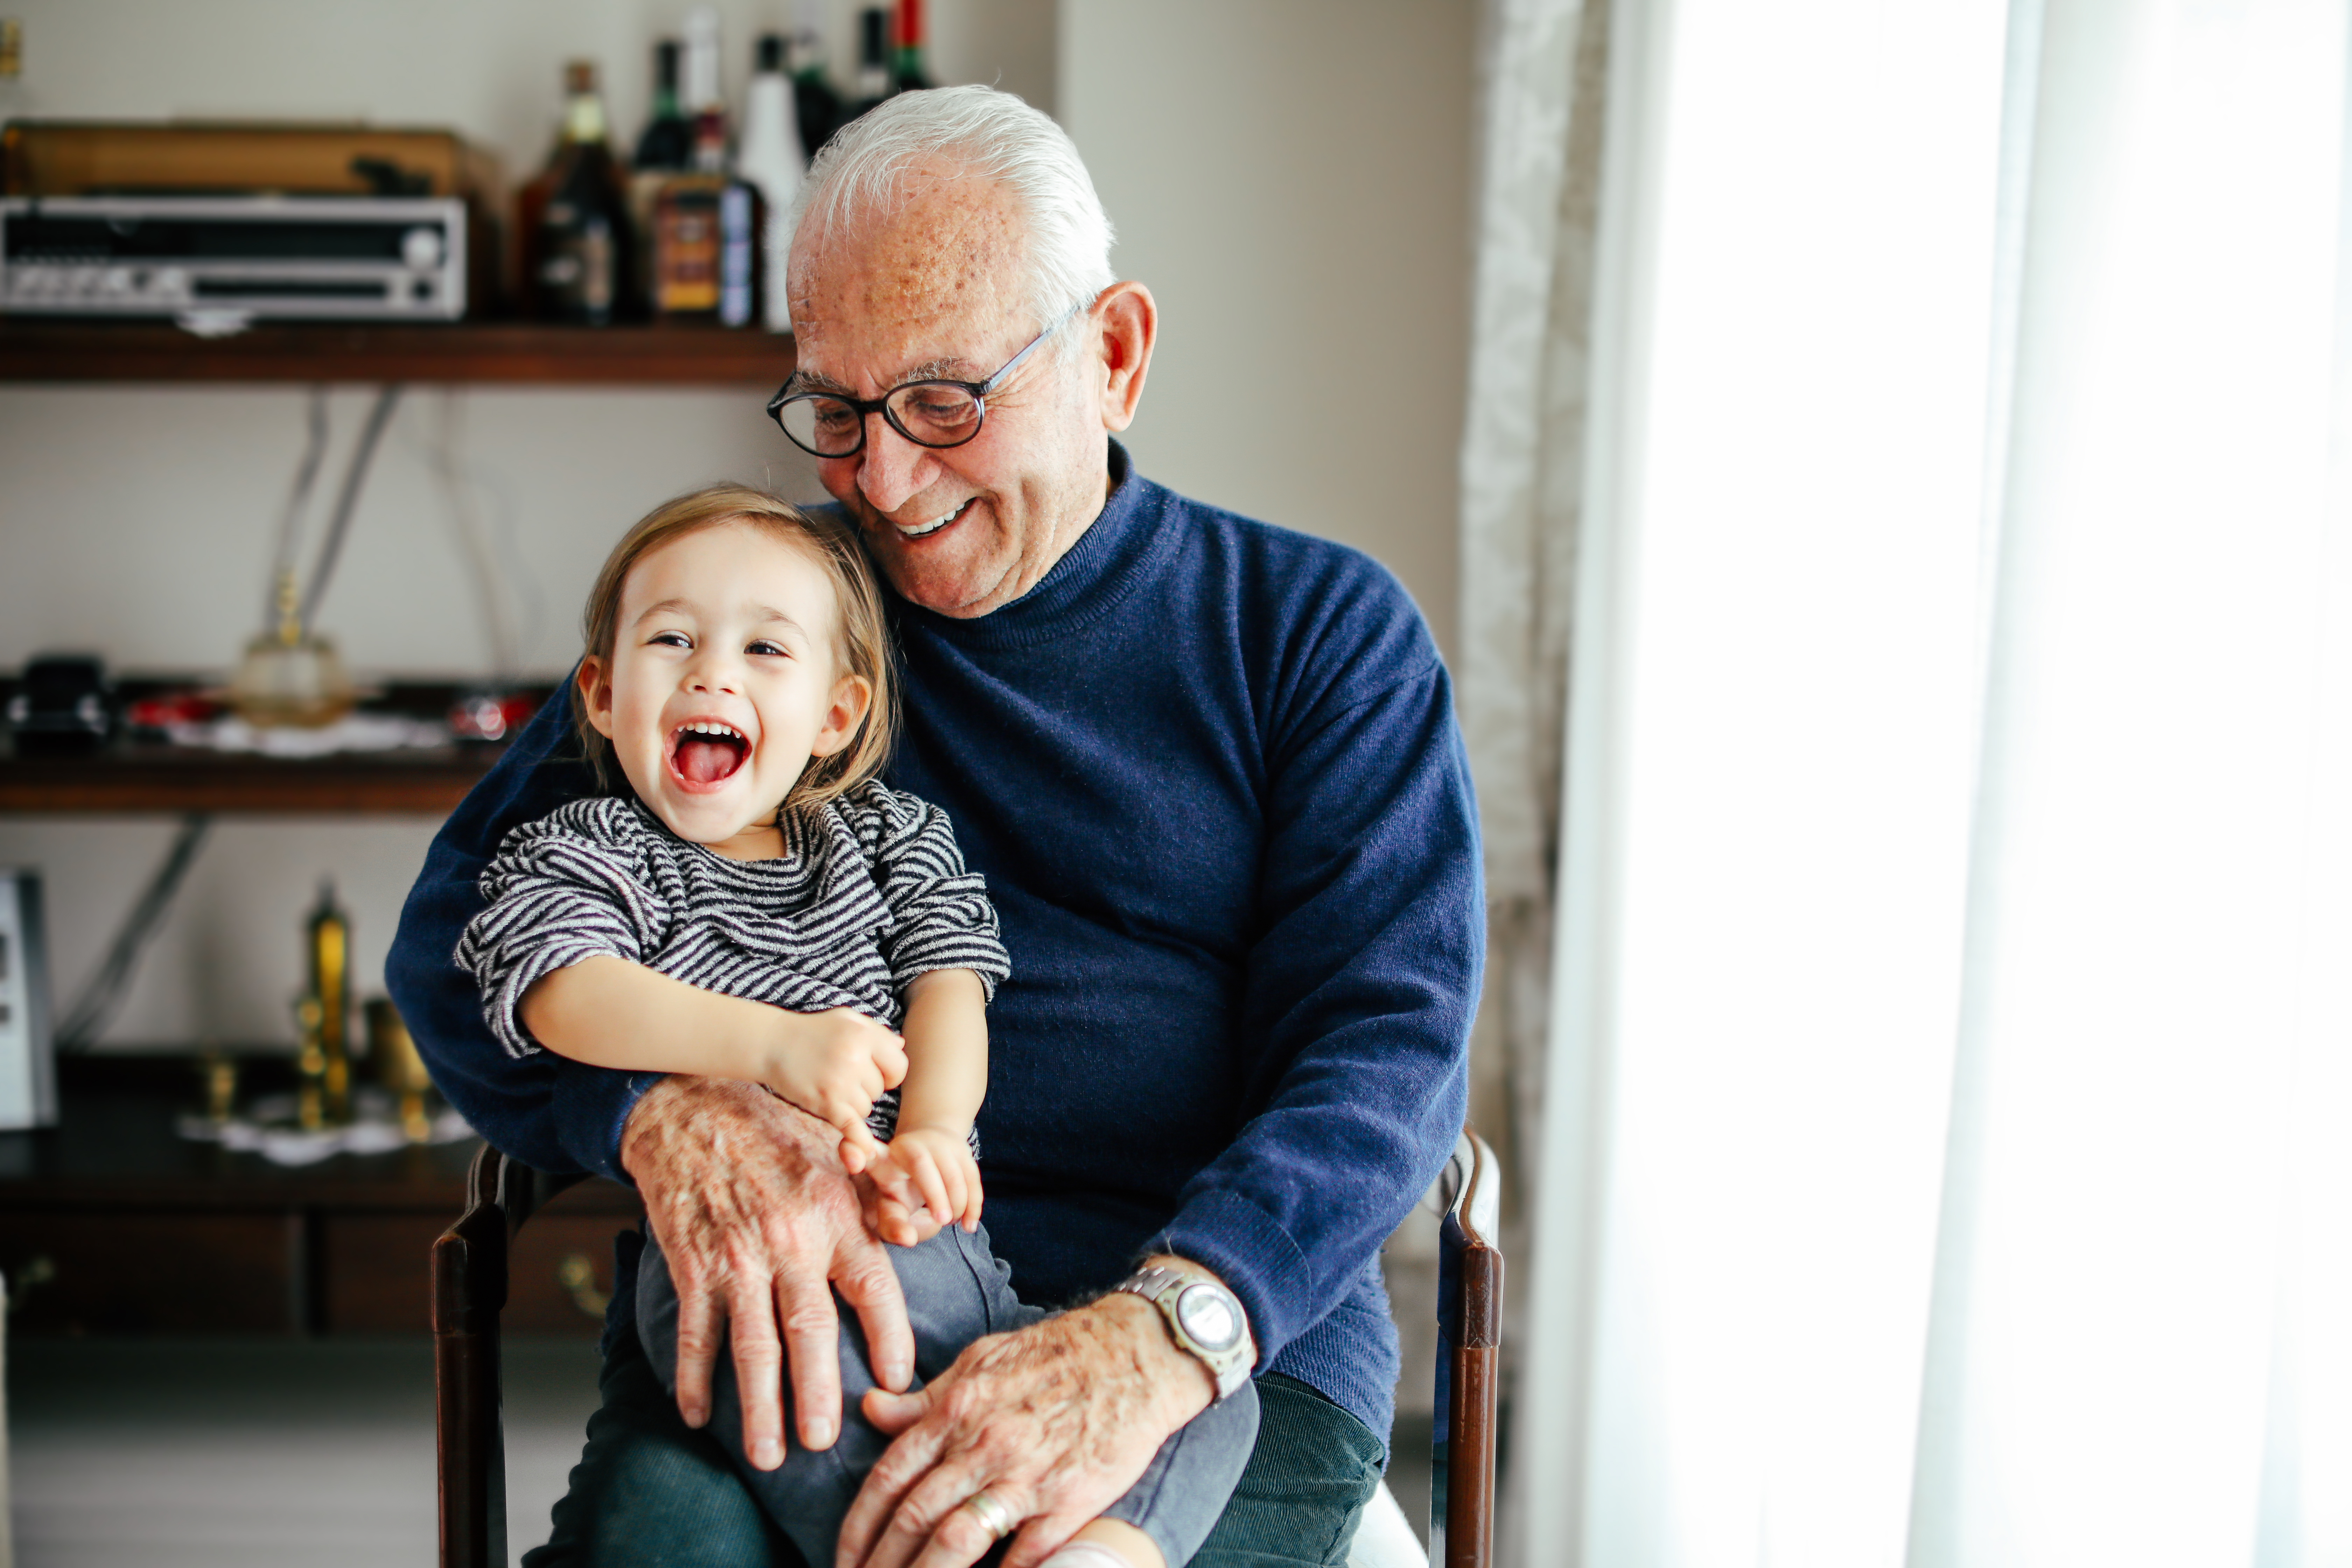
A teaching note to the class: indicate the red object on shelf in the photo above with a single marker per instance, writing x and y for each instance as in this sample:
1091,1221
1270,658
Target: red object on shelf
491,715
166,709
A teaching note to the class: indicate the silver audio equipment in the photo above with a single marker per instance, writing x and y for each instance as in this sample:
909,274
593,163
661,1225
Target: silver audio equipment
343,259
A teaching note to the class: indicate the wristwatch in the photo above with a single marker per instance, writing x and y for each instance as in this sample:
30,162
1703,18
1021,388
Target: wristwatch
1204,1319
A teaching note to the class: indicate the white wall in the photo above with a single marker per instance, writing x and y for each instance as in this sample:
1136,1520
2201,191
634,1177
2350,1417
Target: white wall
1290,178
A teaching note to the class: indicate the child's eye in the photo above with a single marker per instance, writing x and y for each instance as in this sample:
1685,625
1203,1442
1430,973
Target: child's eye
765,647
671,639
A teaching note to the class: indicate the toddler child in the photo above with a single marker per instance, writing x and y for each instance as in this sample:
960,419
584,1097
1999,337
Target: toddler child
738,671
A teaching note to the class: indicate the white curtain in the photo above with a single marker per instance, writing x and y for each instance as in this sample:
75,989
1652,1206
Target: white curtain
1522,483
1948,1133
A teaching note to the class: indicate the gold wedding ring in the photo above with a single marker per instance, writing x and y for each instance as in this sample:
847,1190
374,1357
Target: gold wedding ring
993,1516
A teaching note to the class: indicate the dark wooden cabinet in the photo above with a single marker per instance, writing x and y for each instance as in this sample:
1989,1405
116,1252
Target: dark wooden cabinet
168,1273
110,1223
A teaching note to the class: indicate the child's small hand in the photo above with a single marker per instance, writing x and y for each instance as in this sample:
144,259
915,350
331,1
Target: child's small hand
927,1169
891,1220
834,1065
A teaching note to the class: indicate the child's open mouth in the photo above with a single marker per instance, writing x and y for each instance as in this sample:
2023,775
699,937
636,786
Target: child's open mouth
706,753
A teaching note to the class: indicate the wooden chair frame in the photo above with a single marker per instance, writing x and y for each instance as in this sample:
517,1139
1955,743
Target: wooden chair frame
469,1289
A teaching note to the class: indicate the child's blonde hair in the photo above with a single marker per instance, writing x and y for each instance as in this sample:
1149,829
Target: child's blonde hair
863,637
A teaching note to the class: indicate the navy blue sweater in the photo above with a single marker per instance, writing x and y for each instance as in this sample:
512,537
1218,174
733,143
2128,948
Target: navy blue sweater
1210,772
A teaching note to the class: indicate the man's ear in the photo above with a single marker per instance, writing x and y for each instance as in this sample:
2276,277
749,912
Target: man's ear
853,699
1127,322
596,694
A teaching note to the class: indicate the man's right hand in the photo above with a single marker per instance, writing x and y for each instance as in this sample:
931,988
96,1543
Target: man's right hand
752,1206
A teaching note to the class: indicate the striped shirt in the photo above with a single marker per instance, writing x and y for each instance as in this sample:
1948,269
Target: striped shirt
869,893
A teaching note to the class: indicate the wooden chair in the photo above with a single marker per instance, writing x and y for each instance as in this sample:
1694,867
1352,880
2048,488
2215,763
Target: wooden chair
469,1288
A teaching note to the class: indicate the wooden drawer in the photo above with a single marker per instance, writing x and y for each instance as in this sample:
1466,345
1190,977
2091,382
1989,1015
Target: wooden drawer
153,1273
376,1273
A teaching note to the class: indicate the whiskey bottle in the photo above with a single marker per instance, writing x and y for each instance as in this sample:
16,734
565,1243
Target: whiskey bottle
581,249
706,223
665,147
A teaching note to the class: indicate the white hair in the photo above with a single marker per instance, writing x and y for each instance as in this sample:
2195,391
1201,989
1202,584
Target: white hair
990,135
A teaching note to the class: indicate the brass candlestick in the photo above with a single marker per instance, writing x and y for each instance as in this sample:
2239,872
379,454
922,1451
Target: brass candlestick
311,1062
220,1087
331,997
399,1067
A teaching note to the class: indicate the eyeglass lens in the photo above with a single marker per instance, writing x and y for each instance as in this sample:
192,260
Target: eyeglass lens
930,414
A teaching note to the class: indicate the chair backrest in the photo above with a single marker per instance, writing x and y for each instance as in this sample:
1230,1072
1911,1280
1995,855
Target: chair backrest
469,1289
1469,1343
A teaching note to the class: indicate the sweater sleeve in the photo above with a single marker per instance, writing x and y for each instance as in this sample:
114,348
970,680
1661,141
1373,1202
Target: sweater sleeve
560,889
558,1115
1358,997
941,915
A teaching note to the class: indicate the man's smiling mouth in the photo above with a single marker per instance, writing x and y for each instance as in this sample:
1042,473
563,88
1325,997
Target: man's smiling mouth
924,530
705,752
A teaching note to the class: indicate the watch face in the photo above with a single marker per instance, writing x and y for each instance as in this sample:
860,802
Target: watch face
1208,1315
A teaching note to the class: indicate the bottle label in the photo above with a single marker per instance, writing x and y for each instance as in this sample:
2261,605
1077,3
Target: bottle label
577,267
738,255
686,248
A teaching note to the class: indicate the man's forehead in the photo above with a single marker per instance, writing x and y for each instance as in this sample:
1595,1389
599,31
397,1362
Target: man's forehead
916,286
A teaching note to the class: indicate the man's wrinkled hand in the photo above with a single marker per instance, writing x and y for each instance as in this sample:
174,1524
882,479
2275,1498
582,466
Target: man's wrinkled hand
1055,1422
761,1225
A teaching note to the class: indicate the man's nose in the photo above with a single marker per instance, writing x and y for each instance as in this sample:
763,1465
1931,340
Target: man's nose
892,471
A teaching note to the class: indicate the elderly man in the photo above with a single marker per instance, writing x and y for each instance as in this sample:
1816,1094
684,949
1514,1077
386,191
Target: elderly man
1210,772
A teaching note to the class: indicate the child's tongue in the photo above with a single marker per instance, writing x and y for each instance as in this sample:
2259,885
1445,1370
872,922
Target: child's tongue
704,759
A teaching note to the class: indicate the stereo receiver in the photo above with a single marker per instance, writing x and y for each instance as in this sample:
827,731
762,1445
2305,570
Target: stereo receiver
353,258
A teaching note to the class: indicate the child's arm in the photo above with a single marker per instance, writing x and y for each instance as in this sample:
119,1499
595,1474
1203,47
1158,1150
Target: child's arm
929,1159
609,1011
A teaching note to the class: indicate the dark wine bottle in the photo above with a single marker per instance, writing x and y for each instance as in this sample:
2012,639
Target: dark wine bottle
667,141
875,81
815,105
909,73
582,248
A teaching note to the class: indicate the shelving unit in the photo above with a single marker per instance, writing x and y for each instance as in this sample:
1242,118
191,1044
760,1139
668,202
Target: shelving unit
493,352
148,774
176,779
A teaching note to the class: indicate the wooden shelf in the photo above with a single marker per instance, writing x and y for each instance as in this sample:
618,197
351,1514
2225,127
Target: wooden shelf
510,352
171,779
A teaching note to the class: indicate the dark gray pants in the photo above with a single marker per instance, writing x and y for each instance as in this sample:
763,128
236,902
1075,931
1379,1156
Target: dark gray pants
956,1291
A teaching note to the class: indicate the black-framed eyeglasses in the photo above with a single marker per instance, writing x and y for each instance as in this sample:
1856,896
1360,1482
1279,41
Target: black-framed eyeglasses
928,413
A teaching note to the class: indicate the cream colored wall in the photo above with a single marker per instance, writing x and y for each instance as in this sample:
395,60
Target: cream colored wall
1291,177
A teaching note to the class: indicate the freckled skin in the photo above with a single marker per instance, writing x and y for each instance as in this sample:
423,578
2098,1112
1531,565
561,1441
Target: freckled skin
939,276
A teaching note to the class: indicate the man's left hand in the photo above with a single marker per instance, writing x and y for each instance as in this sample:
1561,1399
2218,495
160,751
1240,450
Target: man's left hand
1055,1422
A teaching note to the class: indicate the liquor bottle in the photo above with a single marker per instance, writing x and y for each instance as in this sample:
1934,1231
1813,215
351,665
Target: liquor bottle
817,104
706,224
666,147
907,74
577,218
771,159
667,141
874,82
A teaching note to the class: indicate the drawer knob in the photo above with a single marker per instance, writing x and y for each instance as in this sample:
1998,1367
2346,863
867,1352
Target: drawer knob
37,1270
577,1275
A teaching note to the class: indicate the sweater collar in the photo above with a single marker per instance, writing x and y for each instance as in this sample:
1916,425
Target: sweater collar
1087,583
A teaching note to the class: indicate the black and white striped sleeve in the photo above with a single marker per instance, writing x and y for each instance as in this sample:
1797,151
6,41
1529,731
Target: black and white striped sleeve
941,917
560,889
